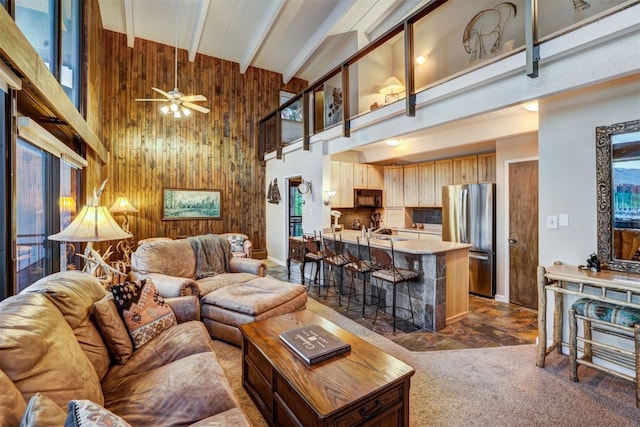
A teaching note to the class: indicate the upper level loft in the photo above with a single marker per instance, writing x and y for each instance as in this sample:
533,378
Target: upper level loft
447,47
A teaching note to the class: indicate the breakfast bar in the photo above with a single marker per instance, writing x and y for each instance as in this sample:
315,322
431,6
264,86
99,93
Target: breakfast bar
440,294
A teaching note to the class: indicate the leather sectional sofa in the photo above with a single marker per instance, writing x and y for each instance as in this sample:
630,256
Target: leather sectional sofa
241,292
51,349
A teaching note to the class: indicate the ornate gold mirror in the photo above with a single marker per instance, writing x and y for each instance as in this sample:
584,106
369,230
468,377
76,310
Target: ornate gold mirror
618,193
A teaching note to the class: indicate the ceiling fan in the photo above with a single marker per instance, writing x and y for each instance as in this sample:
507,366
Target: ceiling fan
178,103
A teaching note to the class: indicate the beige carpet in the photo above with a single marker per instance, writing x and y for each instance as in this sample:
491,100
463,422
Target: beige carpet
480,387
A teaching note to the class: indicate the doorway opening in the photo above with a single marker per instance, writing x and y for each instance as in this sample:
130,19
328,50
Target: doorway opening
294,211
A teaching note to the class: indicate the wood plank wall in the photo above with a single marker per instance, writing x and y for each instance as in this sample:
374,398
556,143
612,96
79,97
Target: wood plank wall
150,151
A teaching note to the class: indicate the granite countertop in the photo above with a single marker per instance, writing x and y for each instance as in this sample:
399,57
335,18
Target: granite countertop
413,246
427,229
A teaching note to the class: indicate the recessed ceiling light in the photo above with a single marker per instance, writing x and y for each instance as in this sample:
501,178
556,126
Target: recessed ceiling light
530,106
393,142
421,60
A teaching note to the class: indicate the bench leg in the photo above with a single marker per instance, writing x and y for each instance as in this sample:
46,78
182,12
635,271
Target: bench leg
573,345
588,352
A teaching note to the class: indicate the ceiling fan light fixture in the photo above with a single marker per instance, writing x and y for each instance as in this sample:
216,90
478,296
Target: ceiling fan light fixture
176,114
164,109
173,107
186,111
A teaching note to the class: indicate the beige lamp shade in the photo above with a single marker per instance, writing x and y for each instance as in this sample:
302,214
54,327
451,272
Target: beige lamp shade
92,224
122,204
392,86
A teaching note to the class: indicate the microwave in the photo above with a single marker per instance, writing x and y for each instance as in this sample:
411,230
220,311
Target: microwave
367,198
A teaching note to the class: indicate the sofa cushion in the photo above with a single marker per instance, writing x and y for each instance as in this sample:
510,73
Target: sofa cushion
254,297
85,413
74,293
12,404
144,311
170,257
43,412
232,417
39,351
210,284
175,343
177,394
113,330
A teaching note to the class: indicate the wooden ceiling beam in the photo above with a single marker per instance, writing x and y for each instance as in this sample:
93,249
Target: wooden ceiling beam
260,36
128,22
41,84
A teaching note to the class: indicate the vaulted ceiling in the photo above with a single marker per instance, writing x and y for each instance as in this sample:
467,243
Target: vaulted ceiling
297,38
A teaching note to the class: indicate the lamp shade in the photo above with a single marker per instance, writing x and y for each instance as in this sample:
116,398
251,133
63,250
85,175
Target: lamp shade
67,204
392,85
93,224
122,204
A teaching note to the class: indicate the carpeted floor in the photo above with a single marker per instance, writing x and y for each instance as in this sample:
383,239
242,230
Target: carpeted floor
498,386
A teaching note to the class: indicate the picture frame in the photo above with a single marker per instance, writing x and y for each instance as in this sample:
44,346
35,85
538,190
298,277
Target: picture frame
182,204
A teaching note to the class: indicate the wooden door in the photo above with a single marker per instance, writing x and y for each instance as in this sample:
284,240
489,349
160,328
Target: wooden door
523,233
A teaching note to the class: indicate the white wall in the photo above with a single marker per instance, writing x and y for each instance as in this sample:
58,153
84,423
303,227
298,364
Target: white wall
308,165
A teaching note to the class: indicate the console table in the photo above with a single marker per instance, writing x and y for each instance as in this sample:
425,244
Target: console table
619,288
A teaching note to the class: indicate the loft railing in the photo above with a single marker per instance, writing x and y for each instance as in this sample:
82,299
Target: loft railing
442,41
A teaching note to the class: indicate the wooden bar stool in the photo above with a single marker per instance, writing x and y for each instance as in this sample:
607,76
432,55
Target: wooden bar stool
388,272
359,265
313,254
335,260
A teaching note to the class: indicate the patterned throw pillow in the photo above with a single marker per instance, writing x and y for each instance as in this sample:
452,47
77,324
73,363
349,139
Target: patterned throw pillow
85,413
144,311
236,241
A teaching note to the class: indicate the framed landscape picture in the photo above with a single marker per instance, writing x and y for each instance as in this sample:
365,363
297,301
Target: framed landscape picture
191,204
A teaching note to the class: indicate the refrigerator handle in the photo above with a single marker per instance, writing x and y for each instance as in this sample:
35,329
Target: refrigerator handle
464,221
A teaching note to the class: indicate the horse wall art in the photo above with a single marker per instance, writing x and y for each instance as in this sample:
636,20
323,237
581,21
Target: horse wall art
484,26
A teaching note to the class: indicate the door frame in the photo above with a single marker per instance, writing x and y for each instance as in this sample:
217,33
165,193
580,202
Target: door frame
505,297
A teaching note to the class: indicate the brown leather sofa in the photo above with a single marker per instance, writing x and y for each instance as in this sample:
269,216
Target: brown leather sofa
49,344
243,293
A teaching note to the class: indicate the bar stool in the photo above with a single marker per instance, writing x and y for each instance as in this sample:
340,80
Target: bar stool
335,261
393,275
360,265
313,254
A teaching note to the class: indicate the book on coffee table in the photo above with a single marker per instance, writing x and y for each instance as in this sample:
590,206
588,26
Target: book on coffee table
313,343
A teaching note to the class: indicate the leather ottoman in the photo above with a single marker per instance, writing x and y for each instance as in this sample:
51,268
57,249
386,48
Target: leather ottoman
257,299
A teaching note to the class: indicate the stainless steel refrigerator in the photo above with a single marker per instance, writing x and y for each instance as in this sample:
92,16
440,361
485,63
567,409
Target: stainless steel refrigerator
469,216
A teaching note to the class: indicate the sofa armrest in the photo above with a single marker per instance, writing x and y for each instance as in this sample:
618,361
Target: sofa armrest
185,308
170,286
248,265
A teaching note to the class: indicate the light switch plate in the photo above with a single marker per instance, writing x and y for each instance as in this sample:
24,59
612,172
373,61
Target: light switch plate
552,222
563,220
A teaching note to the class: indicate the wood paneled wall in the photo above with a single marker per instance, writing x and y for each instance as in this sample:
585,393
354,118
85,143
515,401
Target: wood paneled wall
150,151
94,40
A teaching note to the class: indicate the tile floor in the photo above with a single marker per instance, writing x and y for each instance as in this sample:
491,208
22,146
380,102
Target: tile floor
489,324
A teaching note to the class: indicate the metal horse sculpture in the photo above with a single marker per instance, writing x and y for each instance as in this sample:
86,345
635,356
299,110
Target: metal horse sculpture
483,24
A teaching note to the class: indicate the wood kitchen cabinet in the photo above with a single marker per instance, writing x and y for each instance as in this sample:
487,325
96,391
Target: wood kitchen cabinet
360,175
465,170
443,175
342,183
411,185
375,177
394,186
487,167
427,184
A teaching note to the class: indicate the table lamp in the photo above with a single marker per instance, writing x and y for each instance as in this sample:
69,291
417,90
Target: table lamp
123,205
94,224
392,88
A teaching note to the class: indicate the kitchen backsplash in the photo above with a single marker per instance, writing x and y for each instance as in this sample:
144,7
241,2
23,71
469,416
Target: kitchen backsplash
427,215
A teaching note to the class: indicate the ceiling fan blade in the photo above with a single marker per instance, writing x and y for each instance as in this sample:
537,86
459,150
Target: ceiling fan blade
168,95
195,107
193,98
155,99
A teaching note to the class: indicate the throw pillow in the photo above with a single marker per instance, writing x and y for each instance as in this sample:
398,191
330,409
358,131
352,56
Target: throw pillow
42,411
113,330
85,413
144,311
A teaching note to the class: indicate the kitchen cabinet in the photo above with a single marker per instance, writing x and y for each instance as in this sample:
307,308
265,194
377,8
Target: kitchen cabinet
368,176
487,167
375,177
443,175
427,184
342,183
465,170
394,186
411,185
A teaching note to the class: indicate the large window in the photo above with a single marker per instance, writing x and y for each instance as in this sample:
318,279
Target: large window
53,29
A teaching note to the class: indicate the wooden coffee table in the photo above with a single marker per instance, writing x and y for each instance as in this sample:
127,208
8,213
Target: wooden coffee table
363,387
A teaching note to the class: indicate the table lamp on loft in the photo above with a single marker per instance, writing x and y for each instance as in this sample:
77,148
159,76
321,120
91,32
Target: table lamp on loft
94,223
392,89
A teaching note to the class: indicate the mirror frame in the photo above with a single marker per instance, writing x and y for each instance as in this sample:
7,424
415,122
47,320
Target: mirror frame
603,194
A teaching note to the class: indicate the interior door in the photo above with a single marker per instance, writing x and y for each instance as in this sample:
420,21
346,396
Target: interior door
523,233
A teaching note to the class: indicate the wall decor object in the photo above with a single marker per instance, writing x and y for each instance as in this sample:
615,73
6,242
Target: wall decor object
332,105
484,26
273,194
580,4
180,204
292,112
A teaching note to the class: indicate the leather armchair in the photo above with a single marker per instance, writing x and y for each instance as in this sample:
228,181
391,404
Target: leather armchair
241,246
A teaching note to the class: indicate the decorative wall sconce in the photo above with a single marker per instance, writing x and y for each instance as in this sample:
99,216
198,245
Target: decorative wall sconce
421,59
392,88
330,194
